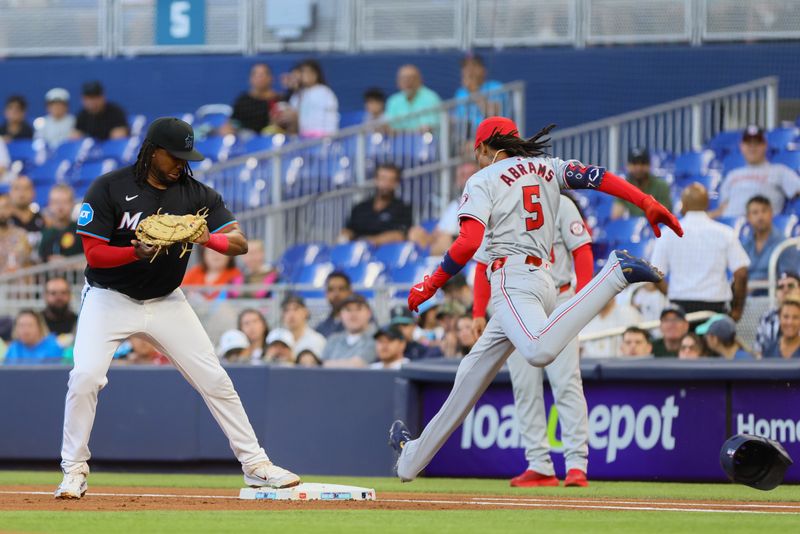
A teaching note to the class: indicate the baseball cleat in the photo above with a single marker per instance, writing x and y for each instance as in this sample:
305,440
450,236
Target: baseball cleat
635,269
576,479
73,486
399,436
533,479
270,475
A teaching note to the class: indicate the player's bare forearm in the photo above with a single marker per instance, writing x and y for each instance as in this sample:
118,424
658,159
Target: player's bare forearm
739,293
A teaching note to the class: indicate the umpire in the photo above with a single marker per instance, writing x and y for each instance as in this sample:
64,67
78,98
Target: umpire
127,294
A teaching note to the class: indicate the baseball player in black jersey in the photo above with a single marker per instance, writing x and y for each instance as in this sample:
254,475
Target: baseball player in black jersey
126,294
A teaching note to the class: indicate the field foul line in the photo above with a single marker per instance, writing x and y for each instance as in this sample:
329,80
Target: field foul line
662,503
575,505
585,506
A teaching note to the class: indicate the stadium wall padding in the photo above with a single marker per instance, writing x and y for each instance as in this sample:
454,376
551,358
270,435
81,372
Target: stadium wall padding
564,85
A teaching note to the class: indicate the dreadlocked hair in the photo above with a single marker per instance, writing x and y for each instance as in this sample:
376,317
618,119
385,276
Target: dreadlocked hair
517,146
142,167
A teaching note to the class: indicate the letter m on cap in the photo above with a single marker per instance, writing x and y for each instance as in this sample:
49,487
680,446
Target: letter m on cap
129,221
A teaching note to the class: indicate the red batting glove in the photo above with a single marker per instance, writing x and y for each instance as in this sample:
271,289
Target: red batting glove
421,292
656,213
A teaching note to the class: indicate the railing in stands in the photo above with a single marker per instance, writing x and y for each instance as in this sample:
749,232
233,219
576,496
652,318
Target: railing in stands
298,185
678,126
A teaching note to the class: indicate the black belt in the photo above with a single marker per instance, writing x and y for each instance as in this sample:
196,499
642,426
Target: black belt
95,284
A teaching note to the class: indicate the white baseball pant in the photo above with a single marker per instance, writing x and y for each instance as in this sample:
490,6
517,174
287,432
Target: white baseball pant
521,295
564,375
106,319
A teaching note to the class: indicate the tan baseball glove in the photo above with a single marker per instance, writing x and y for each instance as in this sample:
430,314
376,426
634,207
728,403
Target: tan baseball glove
165,230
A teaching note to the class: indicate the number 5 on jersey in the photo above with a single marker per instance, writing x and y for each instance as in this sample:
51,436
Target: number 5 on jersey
530,201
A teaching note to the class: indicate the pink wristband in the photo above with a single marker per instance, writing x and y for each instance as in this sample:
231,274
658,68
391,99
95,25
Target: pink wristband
218,242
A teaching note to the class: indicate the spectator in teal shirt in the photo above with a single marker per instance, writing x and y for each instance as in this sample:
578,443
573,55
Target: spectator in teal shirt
412,97
473,81
32,343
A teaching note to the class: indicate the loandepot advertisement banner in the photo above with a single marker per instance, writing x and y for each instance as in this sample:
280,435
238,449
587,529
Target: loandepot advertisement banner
645,431
772,410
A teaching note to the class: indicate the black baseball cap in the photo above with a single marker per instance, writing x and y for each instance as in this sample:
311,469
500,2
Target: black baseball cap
673,308
390,331
754,133
401,315
93,88
175,136
639,155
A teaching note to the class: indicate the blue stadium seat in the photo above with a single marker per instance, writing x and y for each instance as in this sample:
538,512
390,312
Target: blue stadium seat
258,143
365,274
87,172
26,150
710,181
629,230
51,171
211,116
734,160
75,150
346,255
790,159
779,139
640,249
300,255
693,163
787,225
409,274
725,142
350,118
394,255
122,150
136,124
216,148
312,275
792,206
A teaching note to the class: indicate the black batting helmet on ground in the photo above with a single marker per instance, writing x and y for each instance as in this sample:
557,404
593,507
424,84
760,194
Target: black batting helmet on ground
754,461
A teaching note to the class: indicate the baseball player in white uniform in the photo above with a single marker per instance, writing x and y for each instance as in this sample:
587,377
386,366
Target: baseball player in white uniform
572,240
514,200
131,291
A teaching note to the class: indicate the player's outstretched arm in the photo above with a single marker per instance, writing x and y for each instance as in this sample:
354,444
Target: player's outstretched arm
460,252
590,177
230,241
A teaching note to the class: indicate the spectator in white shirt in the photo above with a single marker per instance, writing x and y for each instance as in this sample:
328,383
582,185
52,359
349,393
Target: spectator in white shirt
613,315
5,161
59,123
775,181
314,108
390,344
447,228
697,264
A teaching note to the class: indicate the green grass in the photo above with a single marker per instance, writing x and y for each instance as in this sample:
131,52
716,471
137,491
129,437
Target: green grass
440,522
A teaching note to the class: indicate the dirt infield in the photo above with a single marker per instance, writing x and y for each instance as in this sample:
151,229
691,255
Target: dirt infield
100,498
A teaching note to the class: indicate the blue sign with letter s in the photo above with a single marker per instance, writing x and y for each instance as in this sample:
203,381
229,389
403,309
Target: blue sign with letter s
86,215
180,22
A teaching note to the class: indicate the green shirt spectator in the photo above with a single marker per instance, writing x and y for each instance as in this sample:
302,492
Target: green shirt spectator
638,173
412,97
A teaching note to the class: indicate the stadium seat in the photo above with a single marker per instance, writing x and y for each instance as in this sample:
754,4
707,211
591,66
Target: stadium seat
630,230
314,276
350,254
429,225
122,150
789,158
216,148
640,249
734,160
725,142
710,181
365,275
211,116
693,163
787,225
779,139
136,124
87,172
406,276
51,171
258,143
300,255
26,151
350,118
792,206
75,151
394,255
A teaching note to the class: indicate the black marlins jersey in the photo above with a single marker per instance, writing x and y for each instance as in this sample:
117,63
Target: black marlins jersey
113,208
